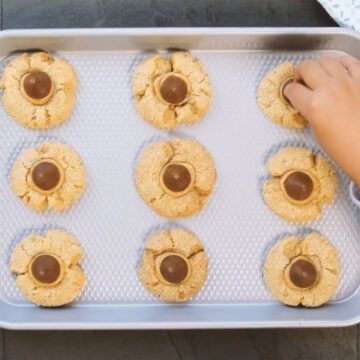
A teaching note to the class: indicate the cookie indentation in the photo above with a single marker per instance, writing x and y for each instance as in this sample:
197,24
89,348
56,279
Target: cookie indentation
46,269
282,89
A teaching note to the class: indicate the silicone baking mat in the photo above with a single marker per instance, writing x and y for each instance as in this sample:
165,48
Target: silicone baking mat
112,222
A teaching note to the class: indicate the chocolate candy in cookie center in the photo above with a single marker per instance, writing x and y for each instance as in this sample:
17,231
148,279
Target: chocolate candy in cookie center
173,89
174,268
176,177
37,84
302,273
46,175
45,269
298,185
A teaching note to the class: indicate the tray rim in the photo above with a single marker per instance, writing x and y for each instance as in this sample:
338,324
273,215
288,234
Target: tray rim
150,31
147,32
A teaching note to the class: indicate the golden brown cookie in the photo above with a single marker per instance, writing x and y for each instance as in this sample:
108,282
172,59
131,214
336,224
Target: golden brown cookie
46,268
175,178
301,183
174,265
51,175
38,90
302,271
272,101
171,92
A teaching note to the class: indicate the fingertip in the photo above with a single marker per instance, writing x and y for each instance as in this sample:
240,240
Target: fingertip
298,95
347,58
306,62
351,65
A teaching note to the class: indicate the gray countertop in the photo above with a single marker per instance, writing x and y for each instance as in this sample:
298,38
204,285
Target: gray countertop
337,343
142,13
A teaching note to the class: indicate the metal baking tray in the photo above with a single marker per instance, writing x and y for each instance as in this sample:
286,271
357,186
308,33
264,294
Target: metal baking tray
112,222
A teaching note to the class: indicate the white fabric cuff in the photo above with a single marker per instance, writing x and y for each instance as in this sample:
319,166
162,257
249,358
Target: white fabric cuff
355,194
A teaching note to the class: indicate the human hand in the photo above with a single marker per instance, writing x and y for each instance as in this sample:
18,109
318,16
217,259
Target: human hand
327,93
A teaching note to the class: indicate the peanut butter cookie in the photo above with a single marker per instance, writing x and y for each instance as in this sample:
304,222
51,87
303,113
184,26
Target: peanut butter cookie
301,183
38,91
51,175
273,103
174,265
171,92
175,178
302,271
46,268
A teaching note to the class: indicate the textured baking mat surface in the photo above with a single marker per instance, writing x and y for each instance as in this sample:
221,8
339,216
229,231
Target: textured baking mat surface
112,222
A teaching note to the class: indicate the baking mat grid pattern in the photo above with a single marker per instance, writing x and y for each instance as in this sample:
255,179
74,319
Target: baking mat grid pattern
112,222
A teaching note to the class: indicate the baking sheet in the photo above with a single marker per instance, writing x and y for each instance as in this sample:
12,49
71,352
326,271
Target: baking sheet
111,221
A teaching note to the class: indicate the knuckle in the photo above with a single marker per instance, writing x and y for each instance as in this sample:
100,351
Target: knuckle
325,59
316,102
337,86
306,63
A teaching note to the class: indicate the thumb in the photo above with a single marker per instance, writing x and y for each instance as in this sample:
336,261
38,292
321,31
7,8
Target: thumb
299,97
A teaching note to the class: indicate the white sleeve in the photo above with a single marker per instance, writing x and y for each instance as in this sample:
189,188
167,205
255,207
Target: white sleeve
345,12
